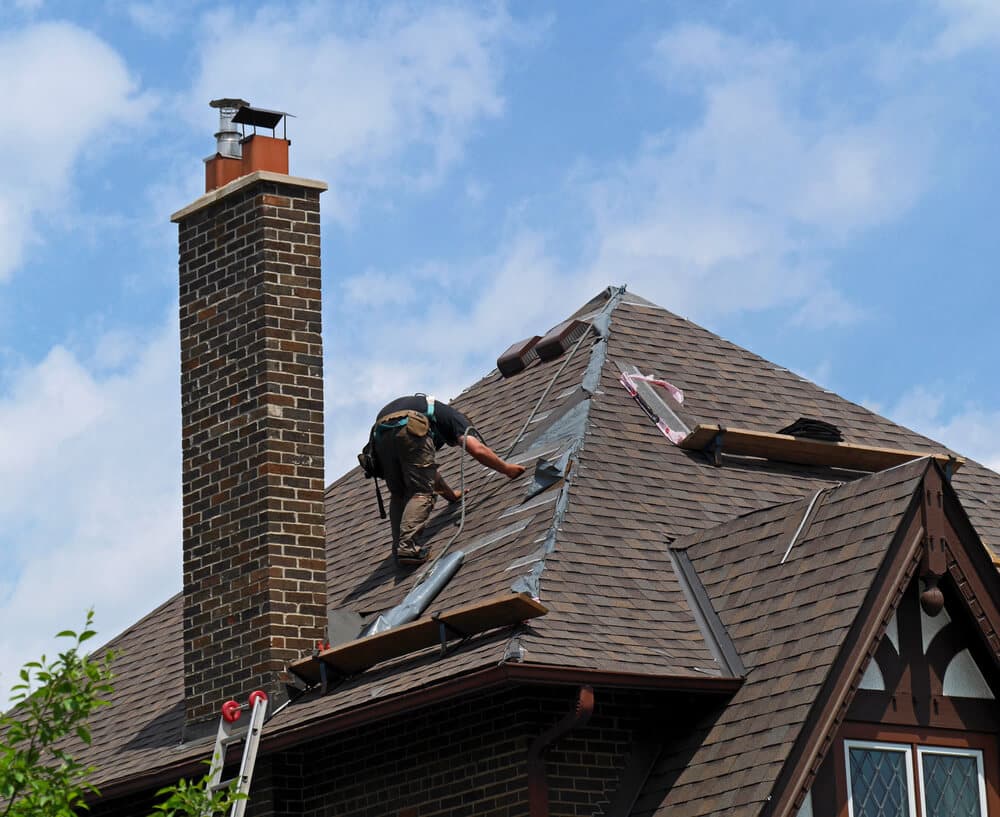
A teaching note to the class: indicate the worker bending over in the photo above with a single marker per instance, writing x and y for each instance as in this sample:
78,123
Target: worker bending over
406,435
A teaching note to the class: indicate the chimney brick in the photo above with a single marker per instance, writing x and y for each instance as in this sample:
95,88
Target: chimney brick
252,414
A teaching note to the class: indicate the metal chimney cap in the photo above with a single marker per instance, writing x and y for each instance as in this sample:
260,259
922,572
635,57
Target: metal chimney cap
259,117
229,103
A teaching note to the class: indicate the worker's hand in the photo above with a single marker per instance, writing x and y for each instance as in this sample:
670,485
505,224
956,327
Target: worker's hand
512,471
451,494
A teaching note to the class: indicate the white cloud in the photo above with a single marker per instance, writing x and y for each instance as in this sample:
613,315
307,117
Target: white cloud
438,344
971,430
63,89
969,24
739,210
90,483
383,100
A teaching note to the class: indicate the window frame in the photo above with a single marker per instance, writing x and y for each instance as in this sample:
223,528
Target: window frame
900,748
959,752
913,752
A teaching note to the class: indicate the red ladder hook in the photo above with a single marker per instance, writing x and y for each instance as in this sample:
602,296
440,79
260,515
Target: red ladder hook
231,710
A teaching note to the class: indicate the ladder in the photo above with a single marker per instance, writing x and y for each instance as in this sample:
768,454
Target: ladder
229,733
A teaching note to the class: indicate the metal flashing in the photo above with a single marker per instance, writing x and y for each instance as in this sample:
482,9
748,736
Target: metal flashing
495,536
529,505
802,524
531,581
418,598
711,626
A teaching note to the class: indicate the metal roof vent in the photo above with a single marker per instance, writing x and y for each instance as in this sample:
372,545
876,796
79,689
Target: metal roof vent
561,338
518,356
227,139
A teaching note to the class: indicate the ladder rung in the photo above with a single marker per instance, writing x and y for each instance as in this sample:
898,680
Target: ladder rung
225,784
232,738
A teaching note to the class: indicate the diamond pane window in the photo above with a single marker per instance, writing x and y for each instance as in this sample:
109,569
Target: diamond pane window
952,783
879,780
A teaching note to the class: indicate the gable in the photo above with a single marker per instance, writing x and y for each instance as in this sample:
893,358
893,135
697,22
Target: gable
918,680
929,670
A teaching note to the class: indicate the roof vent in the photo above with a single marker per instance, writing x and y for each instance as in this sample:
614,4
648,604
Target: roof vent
814,430
561,338
518,356
227,139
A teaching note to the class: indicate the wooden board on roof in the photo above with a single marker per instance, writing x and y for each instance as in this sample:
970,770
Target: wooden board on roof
355,656
805,451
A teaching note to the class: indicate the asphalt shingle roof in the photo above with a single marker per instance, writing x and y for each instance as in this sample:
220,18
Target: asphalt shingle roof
592,546
788,618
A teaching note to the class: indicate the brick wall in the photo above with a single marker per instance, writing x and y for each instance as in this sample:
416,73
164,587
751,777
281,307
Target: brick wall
469,757
466,757
252,413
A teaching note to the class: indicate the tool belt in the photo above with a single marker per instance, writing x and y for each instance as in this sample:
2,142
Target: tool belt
414,422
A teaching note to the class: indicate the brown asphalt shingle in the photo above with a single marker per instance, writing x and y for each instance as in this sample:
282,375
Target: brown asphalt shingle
602,569
788,623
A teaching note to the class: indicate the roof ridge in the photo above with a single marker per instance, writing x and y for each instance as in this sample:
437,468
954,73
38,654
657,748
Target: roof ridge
531,582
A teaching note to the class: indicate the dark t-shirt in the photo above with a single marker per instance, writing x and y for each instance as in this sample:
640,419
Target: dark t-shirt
447,424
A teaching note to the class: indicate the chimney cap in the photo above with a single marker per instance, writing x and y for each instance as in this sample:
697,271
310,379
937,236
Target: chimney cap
229,103
259,117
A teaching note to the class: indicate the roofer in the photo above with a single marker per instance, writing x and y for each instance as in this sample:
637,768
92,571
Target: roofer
406,435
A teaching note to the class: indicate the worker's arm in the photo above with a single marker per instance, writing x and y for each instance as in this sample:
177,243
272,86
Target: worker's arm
484,454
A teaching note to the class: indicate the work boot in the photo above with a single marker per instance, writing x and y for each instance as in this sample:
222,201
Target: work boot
412,555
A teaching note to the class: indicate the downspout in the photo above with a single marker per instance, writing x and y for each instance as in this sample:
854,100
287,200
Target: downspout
538,787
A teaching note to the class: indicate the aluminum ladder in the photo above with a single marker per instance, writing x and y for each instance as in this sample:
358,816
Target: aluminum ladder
230,732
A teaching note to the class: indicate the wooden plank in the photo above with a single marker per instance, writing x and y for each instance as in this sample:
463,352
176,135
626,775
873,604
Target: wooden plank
354,656
802,450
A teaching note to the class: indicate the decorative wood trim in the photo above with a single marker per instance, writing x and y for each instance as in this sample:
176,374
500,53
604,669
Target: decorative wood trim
976,583
817,733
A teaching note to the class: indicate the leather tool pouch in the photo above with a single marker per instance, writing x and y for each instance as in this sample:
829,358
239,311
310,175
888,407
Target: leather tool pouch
417,423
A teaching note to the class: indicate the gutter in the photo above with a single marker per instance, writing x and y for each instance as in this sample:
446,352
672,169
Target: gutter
477,681
538,786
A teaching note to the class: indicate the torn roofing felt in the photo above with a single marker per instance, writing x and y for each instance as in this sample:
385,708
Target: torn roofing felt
621,493
788,617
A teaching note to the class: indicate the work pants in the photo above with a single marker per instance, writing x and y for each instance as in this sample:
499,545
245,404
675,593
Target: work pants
408,467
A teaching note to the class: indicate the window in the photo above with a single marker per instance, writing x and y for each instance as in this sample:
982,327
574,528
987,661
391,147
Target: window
903,780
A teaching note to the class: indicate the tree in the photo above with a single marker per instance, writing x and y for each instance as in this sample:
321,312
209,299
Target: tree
52,701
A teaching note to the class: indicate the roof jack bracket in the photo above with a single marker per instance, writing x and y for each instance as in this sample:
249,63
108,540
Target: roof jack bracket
445,628
949,469
324,678
714,448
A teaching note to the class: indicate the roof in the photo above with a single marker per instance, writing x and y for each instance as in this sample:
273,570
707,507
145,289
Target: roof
788,616
593,545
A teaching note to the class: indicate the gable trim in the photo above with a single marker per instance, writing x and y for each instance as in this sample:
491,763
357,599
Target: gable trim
818,732
938,540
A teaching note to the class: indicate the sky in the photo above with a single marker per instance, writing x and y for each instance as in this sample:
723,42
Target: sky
814,181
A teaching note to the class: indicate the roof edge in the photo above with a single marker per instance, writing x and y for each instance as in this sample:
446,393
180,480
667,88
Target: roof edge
477,681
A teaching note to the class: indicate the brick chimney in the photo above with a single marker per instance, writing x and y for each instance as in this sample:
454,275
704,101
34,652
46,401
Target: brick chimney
252,414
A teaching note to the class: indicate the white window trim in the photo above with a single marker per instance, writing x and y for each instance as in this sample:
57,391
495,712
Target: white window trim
907,751
941,750
901,748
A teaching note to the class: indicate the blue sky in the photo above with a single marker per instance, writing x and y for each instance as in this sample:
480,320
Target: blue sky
814,181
